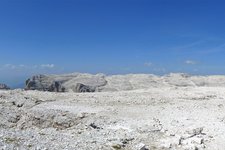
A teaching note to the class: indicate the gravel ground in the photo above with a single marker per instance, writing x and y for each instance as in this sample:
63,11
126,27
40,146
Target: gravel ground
155,118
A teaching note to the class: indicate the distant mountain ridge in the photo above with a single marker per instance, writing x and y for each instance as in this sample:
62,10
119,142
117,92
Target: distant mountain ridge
83,82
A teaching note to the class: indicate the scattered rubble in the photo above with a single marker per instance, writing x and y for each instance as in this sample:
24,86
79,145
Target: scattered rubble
154,118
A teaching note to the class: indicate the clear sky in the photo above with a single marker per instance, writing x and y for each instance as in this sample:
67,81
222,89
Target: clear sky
111,36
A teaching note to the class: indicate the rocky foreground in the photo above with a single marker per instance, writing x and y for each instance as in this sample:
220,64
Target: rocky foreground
152,118
120,112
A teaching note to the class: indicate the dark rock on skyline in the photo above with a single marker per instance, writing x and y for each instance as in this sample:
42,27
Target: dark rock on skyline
4,87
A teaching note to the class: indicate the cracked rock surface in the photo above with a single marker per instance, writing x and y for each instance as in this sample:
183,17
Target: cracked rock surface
182,118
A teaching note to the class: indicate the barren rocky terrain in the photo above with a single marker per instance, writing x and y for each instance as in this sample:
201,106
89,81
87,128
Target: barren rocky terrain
177,116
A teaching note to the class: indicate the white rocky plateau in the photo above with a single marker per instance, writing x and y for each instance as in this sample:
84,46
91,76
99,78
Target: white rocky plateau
132,112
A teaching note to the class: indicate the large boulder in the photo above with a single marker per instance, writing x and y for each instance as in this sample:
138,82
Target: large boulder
4,87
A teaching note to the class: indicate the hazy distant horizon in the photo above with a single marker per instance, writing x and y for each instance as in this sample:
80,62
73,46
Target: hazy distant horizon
20,82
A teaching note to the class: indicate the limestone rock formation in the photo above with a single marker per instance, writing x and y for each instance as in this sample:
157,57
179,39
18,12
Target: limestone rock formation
56,87
81,88
37,83
125,120
78,82
63,83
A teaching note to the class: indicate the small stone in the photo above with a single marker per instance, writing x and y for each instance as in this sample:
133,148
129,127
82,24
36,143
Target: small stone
196,131
116,146
141,146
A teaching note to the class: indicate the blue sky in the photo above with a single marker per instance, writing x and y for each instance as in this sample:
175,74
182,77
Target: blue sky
111,36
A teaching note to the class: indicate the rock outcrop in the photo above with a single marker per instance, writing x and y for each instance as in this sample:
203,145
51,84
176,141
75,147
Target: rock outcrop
81,88
4,87
37,83
56,87
78,82
63,83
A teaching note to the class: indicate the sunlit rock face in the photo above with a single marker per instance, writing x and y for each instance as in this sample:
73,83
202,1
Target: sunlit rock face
80,82
75,82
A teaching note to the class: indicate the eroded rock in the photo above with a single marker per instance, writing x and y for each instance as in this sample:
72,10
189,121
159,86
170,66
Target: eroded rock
56,86
62,83
47,119
81,88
